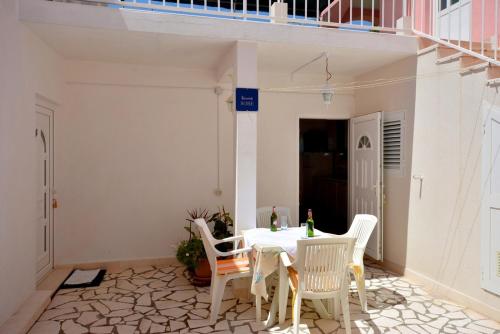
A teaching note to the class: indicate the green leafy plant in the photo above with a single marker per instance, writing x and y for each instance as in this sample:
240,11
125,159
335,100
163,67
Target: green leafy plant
222,222
191,251
192,215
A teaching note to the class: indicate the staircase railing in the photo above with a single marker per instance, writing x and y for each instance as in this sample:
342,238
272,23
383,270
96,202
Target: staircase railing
469,26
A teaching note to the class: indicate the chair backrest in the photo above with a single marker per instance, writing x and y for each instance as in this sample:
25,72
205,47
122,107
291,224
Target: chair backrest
361,228
208,242
322,263
264,215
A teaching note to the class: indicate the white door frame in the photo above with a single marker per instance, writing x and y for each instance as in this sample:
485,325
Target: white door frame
490,241
48,108
380,188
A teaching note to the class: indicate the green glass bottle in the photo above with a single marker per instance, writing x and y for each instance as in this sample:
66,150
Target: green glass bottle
274,220
310,224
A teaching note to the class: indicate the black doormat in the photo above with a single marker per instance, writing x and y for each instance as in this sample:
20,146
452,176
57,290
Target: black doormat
83,278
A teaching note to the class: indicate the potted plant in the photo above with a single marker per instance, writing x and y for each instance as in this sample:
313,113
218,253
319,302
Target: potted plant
191,252
222,224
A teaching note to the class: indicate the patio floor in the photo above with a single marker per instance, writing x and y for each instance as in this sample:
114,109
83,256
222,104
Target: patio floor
161,300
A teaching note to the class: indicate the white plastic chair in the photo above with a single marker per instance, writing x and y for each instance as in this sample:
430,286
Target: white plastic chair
223,270
264,215
321,272
361,229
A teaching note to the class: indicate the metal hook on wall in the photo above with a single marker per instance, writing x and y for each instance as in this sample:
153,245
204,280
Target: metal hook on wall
421,179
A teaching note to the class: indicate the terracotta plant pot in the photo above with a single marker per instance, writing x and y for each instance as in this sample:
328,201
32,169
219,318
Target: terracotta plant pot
202,273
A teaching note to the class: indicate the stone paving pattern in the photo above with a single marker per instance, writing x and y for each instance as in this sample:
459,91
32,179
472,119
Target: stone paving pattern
162,300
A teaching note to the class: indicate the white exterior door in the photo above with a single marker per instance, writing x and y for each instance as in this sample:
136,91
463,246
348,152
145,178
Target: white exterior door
490,215
44,231
366,174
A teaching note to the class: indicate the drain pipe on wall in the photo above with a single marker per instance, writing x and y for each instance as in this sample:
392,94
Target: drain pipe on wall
218,92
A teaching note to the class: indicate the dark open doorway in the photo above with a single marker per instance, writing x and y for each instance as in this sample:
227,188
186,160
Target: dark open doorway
323,173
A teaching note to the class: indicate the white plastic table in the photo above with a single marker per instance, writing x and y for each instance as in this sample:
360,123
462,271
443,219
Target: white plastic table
287,241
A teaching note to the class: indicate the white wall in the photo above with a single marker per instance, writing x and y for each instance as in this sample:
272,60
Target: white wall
133,155
398,97
278,142
27,67
444,225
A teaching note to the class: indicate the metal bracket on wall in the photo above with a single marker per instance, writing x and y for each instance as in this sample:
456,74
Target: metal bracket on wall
421,179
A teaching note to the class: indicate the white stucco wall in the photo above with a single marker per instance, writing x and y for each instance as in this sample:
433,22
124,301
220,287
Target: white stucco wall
278,143
27,67
133,155
398,97
444,225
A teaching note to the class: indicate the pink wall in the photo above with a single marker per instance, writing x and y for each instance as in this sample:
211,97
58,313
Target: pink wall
423,15
388,20
423,19
489,20
424,12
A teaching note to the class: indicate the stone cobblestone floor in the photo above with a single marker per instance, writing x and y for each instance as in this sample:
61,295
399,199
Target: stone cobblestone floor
162,300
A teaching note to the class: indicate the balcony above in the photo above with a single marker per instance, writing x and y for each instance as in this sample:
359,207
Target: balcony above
102,33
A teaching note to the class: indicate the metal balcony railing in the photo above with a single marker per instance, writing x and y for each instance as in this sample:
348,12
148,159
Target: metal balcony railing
469,26
355,15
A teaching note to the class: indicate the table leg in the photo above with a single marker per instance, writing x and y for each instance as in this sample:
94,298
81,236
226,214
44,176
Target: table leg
258,307
283,292
272,310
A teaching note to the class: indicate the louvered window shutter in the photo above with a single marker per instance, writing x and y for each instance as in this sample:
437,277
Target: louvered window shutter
392,144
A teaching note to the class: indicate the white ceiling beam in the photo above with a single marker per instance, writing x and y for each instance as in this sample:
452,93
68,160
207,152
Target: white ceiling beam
226,64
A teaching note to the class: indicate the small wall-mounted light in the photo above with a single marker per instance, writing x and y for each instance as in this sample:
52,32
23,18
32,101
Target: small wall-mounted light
327,91
327,94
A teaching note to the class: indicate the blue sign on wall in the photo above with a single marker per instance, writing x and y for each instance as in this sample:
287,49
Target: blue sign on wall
247,99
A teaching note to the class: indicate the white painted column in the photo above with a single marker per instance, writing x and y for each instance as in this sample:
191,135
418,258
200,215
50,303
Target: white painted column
245,126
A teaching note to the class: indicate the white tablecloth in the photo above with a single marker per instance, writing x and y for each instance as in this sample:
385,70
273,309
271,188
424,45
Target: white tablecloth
267,246
286,239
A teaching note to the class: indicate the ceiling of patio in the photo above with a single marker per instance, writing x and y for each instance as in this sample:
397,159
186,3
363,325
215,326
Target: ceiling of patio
160,49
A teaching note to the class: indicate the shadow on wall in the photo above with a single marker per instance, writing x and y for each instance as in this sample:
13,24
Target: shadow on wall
466,212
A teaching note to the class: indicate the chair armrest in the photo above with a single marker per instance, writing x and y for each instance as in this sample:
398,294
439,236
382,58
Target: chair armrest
285,259
237,237
337,235
234,251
